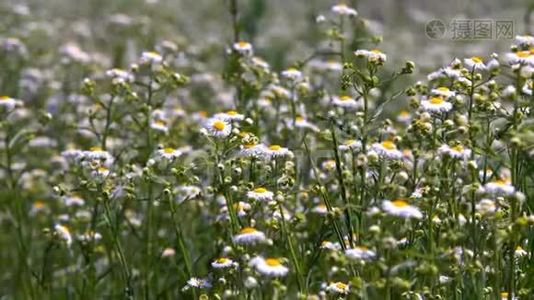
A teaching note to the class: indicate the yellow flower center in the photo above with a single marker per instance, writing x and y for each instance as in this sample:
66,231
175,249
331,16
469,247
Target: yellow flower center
242,44
399,203
95,148
299,119
500,182
168,150
222,260
160,123
376,51
436,100
519,248
249,145
273,262
4,98
443,89
231,112
38,204
458,148
260,190
218,125
404,113
362,248
389,145
345,98
248,230
341,285
203,113
102,169
476,59
275,147
523,54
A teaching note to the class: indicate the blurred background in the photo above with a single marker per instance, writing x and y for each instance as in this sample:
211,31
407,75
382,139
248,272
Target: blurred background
281,30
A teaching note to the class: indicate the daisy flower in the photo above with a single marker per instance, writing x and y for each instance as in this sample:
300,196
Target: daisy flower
504,296
338,288
168,252
223,263
243,48
169,153
345,101
63,233
199,283
260,63
443,91
350,145
252,150
373,56
320,209
475,63
401,208
218,128
404,116
520,252
458,151
292,74
301,122
519,57
499,187
248,236
360,253
230,116
260,194
150,57
271,267
486,207
119,75
436,104
274,151
387,149
344,10
159,125
330,245
73,200
9,103
524,40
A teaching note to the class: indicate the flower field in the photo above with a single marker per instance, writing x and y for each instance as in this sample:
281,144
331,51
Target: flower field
144,160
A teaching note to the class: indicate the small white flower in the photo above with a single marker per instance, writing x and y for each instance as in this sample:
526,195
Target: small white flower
404,117
320,209
168,252
274,151
249,235
330,246
218,128
401,208
223,263
9,103
360,253
63,233
119,76
260,194
292,74
387,149
244,48
73,200
169,153
199,283
475,63
443,92
345,101
436,105
500,187
271,267
458,151
301,122
486,207
159,125
344,10
149,57
520,252
373,56
524,40
230,116
350,145
252,150
338,288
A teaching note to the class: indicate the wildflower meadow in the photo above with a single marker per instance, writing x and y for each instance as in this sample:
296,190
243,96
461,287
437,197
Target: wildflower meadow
143,156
